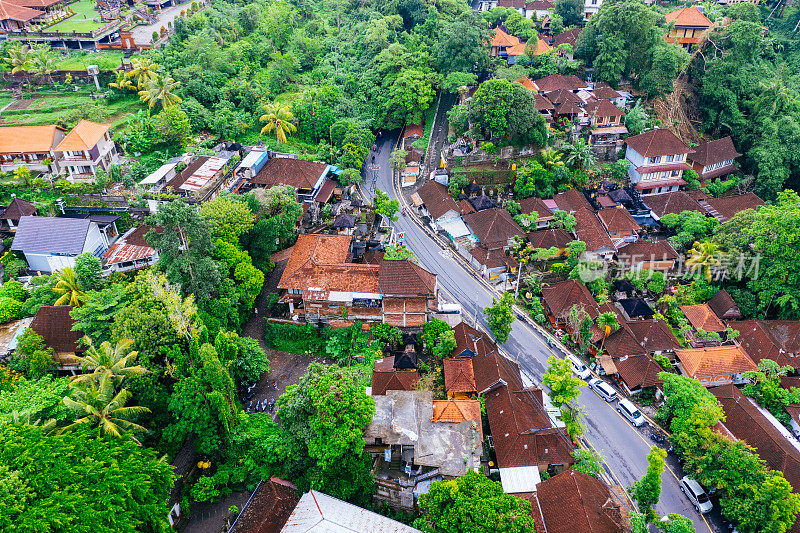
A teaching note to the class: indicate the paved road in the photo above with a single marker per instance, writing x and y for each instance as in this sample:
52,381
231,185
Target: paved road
623,447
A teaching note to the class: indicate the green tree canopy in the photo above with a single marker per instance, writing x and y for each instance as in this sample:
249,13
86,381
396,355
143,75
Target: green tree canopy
501,315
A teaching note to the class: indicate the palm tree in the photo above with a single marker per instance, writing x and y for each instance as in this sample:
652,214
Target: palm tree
580,154
122,81
607,322
552,158
279,119
703,257
113,360
144,70
104,407
43,63
160,91
19,55
68,289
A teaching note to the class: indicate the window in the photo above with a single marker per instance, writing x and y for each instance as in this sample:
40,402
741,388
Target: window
675,173
652,160
670,158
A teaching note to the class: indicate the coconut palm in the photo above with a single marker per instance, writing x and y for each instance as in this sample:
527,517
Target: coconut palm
122,81
19,55
104,407
607,322
68,289
144,70
42,63
580,154
113,360
160,90
703,257
279,119
552,158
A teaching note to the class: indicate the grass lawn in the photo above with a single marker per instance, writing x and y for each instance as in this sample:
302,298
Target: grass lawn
81,21
69,110
5,100
80,59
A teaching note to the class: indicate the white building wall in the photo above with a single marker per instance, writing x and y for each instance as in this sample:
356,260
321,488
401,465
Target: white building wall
96,243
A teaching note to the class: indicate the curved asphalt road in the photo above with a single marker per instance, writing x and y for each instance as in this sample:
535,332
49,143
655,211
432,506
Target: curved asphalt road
623,447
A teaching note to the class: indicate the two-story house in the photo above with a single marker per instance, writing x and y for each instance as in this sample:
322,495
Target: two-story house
30,146
658,159
85,149
714,159
604,119
689,26
619,224
590,7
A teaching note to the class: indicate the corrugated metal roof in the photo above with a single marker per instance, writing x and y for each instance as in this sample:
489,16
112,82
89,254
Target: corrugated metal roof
519,479
321,513
207,172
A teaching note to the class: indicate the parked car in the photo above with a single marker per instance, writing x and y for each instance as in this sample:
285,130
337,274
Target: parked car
696,494
602,388
578,368
629,411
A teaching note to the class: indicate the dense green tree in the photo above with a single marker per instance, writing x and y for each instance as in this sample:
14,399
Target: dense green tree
116,361
173,126
765,388
688,227
229,217
90,483
96,316
34,356
386,206
647,491
245,359
89,272
570,11
500,108
39,399
462,45
473,504
564,386
500,316
41,293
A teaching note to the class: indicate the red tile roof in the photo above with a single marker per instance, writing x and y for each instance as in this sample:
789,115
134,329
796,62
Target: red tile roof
459,375
437,200
492,257
701,316
493,226
618,219
657,142
710,152
589,230
652,184
604,92
730,205
20,13
54,324
17,209
503,39
715,361
567,37
778,340
529,205
298,173
643,251
672,202
455,411
622,343
561,96
690,17
602,108
404,278
550,238
393,380
489,366
413,130
571,200
464,207
573,502
638,371
318,262
557,81
27,139
561,296
84,136
527,83
268,508
653,335
522,432
723,306
541,103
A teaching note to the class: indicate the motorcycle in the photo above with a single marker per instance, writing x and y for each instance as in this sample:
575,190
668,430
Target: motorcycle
404,211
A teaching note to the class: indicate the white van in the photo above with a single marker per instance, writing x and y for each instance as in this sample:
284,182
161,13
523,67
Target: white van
602,388
578,368
629,411
696,494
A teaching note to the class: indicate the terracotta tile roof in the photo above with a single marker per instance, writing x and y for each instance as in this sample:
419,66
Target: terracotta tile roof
459,375
404,278
455,411
503,39
641,251
618,219
131,246
492,257
786,333
657,142
571,200
755,336
730,205
437,200
493,226
653,335
471,342
268,508
568,108
638,371
603,91
464,207
561,96
794,411
383,380
318,262
529,205
527,83
413,130
40,4
789,382
602,108
84,136
688,17
574,502
522,432
554,82
298,173
54,324
541,47
621,343
702,317
561,296
540,5
516,4
567,37
20,13
715,361
27,139
489,366
541,103
672,202
549,238
710,152
746,422
652,184
590,230
17,209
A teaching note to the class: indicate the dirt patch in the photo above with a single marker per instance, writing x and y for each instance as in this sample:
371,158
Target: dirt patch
24,103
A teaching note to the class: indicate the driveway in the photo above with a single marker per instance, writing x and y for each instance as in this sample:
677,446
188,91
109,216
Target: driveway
144,34
623,447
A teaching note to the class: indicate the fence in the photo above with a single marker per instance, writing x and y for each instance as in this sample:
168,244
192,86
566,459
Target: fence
108,28
56,75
